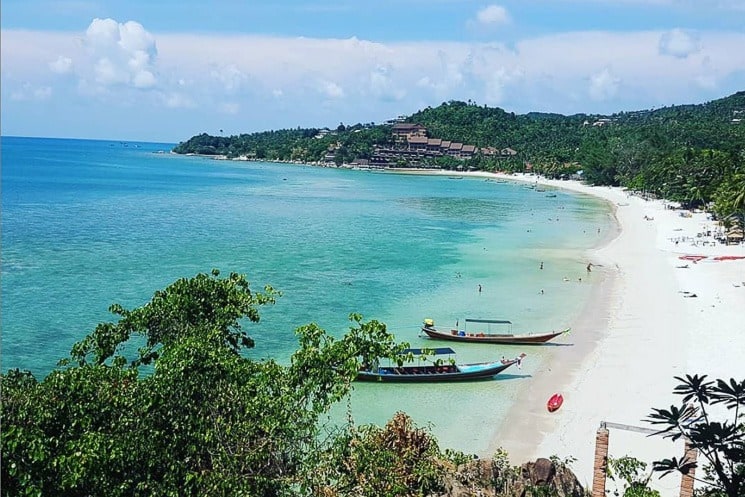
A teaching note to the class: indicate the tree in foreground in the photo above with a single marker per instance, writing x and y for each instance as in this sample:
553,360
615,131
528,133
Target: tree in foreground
397,460
720,443
632,473
187,413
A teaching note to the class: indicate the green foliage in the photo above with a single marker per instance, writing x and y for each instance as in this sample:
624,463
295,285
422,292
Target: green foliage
182,310
505,475
694,154
729,198
631,472
720,443
203,419
305,145
397,460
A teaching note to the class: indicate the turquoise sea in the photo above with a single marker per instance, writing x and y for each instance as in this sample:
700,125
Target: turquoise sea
89,223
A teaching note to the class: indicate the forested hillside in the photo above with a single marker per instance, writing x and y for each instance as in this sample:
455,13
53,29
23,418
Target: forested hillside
694,154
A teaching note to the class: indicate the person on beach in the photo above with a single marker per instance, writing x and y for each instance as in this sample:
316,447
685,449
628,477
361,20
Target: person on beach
541,264
479,287
589,267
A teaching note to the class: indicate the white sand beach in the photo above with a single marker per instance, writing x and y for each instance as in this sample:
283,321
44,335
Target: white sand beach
639,331
652,316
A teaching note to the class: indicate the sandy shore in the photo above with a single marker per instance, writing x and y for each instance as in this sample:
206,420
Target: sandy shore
640,330
652,316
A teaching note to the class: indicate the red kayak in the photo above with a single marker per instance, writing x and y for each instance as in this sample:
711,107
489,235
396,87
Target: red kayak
554,402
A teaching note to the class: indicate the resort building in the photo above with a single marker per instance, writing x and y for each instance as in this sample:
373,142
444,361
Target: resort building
412,146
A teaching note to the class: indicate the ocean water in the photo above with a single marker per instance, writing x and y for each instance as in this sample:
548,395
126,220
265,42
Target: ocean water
89,223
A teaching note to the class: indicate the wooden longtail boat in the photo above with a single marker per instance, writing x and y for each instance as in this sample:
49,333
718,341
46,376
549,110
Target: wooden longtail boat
437,370
487,337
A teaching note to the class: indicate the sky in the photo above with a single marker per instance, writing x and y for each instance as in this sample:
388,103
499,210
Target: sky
163,71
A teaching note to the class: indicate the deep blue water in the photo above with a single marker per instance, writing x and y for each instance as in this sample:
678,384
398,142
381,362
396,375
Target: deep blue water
89,223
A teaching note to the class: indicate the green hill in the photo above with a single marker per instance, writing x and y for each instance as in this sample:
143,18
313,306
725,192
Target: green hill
690,153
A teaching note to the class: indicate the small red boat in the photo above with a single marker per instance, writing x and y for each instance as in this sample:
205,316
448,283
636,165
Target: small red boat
554,402
694,258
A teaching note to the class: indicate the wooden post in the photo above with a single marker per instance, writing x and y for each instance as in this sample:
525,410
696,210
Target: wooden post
686,483
601,460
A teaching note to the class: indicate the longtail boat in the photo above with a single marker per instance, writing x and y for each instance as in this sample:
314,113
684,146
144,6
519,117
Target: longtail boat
437,370
487,336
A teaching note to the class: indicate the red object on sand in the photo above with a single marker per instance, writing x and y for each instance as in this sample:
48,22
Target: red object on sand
554,402
694,258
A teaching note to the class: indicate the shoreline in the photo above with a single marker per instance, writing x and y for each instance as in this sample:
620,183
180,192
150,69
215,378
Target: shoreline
651,316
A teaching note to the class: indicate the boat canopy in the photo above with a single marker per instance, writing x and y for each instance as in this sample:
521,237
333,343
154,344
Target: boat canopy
429,351
488,321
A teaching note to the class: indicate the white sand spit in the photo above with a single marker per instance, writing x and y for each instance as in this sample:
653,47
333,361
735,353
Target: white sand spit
652,316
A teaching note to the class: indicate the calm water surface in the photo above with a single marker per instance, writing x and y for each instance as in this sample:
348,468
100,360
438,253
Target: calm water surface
89,223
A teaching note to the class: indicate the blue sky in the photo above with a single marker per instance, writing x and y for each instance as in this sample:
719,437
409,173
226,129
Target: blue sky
166,70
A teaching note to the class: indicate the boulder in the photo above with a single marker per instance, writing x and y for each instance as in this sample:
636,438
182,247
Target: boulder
486,478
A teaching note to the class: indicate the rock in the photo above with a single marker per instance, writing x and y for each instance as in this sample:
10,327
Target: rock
544,473
486,478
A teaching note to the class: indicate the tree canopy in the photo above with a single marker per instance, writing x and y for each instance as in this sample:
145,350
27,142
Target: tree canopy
693,154
190,413
720,442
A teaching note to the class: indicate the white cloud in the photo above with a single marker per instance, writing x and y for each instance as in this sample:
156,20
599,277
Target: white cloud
498,81
603,85
62,65
382,85
121,54
678,43
230,77
107,73
178,101
493,15
331,89
541,73
445,71
143,79
29,92
706,81
312,81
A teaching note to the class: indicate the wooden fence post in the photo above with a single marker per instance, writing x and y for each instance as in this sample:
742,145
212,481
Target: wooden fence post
686,483
601,460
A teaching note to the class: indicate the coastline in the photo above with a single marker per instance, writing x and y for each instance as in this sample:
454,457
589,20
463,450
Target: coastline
637,331
651,317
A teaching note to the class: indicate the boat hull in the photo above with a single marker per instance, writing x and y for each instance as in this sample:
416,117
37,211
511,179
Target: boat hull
554,403
411,374
506,339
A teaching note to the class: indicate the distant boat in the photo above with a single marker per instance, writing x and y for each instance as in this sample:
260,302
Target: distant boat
437,370
554,402
550,195
481,337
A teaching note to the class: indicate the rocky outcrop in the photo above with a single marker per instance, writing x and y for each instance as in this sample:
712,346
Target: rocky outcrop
486,478
556,478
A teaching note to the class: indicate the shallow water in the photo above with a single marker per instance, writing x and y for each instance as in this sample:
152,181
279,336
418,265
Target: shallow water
89,223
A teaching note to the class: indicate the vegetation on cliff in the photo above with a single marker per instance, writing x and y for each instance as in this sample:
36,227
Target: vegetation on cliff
186,411
694,154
